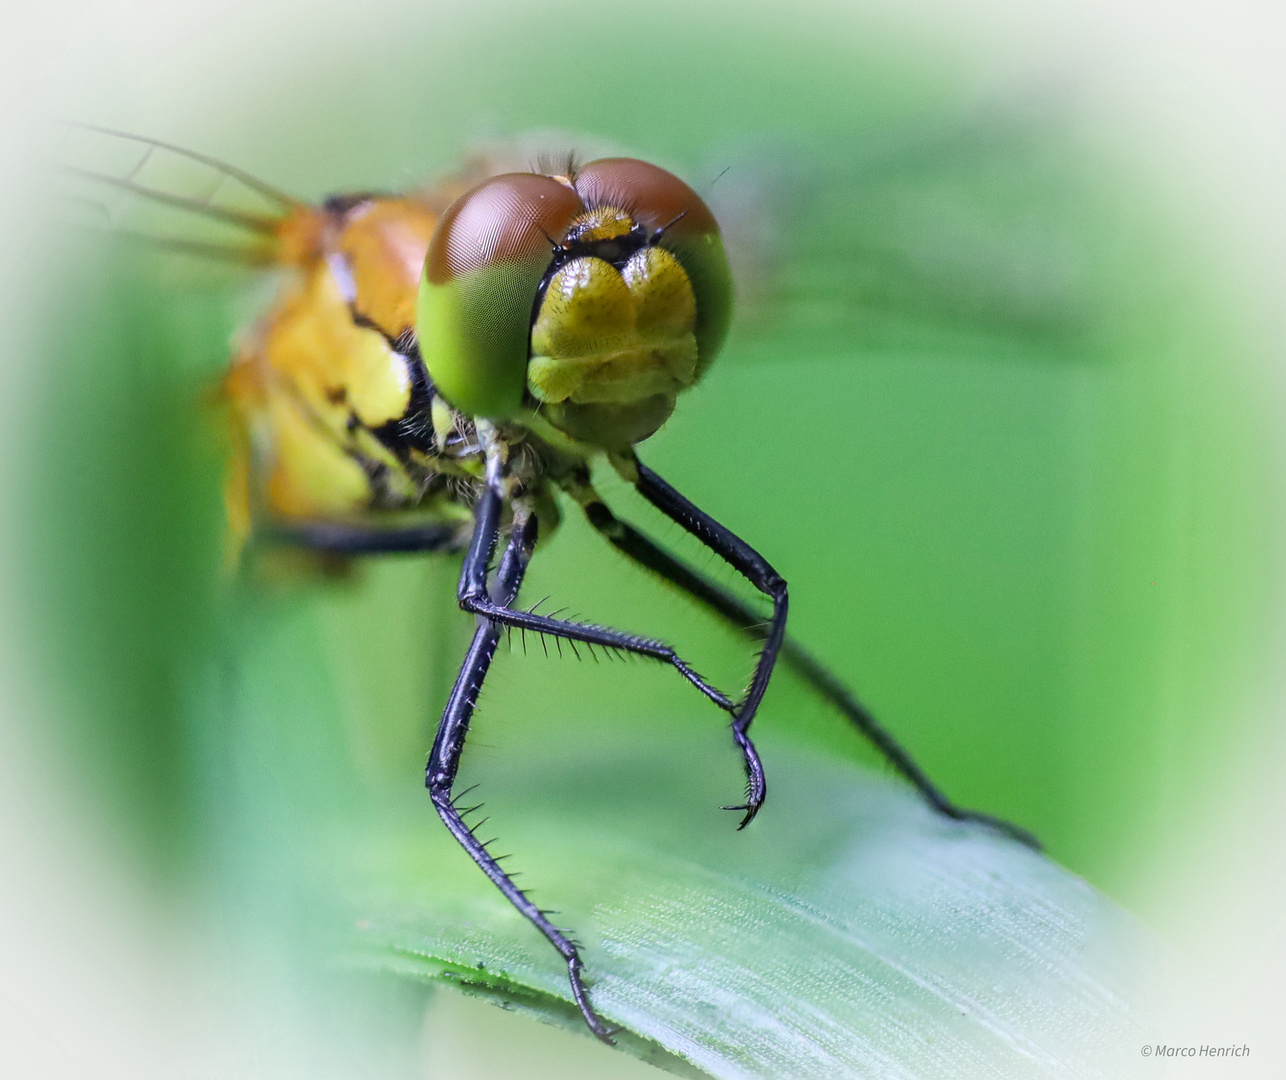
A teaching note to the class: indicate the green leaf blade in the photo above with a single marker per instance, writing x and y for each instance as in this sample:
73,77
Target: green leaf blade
875,939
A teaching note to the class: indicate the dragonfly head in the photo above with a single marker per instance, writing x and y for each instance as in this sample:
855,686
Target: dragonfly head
594,299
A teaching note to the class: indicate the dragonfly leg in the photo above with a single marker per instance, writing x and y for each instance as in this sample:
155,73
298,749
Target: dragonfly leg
641,549
353,539
474,597
755,569
444,762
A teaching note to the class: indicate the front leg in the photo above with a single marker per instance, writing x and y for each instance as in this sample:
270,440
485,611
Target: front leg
474,597
444,763
755,569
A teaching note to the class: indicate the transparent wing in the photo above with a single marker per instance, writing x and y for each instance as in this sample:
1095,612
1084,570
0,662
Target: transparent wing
166,196
982,225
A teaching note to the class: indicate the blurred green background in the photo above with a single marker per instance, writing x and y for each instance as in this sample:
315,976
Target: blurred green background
981,408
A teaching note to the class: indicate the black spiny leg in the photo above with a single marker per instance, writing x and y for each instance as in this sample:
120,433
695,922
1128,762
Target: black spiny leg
755,569
475,598
336,538
640,548
444,761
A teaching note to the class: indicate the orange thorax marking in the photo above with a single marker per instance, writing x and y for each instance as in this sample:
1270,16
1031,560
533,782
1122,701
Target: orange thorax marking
380,243
308,381
384,243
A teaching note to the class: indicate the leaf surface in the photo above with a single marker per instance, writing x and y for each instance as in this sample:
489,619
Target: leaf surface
871,939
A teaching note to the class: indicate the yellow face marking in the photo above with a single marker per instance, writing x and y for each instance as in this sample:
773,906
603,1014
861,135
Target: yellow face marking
614,337
667,308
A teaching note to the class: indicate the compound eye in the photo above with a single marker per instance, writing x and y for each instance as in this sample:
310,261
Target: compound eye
654,197
485,263
659,200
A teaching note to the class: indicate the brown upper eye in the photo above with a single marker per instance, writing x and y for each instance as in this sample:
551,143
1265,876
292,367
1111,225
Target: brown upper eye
654,197
510,218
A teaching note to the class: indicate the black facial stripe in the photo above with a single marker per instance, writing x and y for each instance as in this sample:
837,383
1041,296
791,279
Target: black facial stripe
616,250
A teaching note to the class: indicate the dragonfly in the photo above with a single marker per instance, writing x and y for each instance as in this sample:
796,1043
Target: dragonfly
443,371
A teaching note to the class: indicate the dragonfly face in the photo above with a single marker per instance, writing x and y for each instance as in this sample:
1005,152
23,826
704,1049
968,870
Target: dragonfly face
557,318
591,300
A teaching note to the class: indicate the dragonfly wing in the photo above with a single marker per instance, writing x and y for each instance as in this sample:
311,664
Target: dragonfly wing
976,224
132,186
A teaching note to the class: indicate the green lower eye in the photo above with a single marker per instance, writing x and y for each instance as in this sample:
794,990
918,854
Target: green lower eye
473,337
487,258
